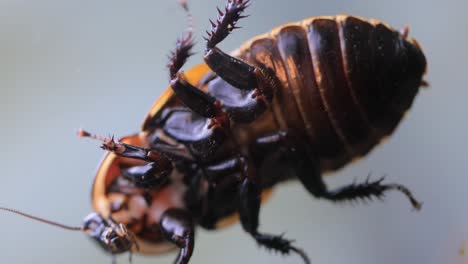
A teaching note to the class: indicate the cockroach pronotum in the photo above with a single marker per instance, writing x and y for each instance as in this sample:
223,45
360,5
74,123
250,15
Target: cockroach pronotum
304,99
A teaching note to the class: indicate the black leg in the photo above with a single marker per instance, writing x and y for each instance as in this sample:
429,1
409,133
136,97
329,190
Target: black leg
308,171
205,129
178,227
184,45
195,99
255,82
232,70
249,201
250,193
249,209
155,173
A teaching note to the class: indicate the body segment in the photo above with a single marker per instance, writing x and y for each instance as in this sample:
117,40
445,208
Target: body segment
346,81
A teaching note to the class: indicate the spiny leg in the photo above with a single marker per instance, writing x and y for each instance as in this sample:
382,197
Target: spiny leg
307,169
177,224
237,170
256,83
195,99
204,131
250,193
203,136
178,227
153,174
250,198
232,70
184,45
250,201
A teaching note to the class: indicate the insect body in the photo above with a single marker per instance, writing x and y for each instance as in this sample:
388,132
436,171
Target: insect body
304,99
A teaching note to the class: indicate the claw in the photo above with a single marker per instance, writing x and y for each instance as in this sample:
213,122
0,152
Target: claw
226,21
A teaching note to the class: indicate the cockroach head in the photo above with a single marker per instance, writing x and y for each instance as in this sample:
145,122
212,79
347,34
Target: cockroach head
110,235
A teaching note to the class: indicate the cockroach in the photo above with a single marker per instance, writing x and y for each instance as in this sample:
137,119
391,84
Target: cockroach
304,99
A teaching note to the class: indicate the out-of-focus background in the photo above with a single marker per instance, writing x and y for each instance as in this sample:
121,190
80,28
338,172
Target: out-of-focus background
101,64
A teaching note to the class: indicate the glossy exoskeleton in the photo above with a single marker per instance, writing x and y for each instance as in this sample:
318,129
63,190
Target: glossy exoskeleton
304,99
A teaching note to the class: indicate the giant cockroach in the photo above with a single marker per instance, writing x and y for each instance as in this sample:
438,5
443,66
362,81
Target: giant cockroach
304,99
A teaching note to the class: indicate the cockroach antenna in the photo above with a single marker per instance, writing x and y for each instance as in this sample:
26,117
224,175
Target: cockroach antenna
72,228
114,237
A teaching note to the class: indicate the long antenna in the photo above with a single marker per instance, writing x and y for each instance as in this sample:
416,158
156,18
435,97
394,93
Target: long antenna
72,228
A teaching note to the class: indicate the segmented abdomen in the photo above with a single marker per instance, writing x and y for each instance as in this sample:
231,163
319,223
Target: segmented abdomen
346,81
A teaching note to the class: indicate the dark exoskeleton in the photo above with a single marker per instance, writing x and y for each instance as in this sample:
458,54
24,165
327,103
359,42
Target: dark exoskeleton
304,99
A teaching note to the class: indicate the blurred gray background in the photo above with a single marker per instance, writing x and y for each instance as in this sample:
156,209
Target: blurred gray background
101,64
